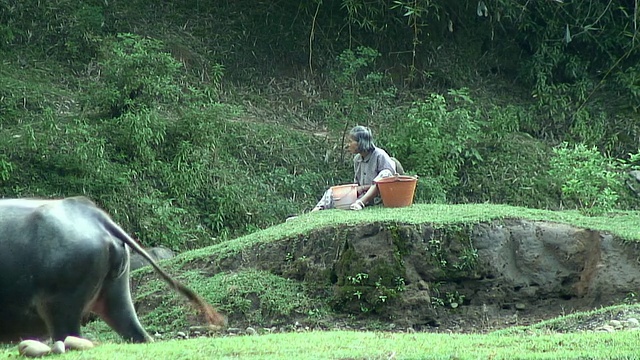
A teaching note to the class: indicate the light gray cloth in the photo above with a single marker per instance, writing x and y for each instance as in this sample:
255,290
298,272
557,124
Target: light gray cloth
326,202
368,168
376,165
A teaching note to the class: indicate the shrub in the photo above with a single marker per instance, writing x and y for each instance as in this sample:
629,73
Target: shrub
514,171
137,136
5,169
434,142
629,198
134,73
589,180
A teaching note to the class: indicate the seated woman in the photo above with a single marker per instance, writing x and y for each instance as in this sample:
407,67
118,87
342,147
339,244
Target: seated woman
370,163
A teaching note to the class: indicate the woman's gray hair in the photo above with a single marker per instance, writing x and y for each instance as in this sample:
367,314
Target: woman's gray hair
362,135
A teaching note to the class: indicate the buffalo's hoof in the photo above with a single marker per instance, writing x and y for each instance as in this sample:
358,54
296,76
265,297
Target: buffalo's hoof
33,348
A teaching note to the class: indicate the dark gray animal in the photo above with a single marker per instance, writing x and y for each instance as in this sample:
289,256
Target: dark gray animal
62,259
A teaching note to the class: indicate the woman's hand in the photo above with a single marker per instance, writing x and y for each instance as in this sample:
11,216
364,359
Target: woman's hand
358,205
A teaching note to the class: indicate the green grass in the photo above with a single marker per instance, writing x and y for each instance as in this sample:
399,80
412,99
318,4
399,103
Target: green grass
25,92
571,322
275,296
376,345
623,224
248,293
539,341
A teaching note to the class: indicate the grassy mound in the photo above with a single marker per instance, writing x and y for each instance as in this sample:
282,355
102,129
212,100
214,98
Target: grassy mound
241,278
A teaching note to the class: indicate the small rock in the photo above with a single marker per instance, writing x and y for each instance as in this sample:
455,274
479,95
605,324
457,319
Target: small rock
205,329
33,348
251,331
632,323
58,347
233,330
520,306
76,343
157,335
615,324
216,328
181,334
606,328
411,330
422,285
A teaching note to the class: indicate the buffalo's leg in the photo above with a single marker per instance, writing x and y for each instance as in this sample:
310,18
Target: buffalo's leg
63,317
115,307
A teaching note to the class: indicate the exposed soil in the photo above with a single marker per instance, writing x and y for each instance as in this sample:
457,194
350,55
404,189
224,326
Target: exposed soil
464,278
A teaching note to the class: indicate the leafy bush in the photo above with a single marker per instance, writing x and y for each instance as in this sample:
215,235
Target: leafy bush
5,169
628,199
629,80
165,222
192,176
137,136
590,181
434,142
134,73
514,171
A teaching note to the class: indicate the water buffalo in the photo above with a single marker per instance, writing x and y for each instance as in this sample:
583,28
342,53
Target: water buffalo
62,259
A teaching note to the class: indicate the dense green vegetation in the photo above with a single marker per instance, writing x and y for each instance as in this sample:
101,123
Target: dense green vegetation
197,123
193,123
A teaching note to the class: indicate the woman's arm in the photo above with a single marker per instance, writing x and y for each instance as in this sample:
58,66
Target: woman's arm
363,189
369,195
370,191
